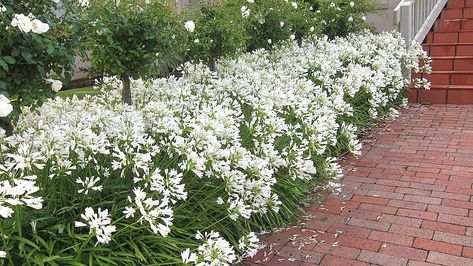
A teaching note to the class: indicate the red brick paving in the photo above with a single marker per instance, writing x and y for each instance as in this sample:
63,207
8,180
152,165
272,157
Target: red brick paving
407,200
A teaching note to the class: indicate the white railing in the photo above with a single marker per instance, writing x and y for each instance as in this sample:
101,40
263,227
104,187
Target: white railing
415,18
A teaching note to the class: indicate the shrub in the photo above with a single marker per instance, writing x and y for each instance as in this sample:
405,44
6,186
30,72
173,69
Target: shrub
37,48
219,31
133,39
271,22
198,164
338,18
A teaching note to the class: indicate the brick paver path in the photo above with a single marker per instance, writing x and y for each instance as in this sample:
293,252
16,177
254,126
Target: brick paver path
405,201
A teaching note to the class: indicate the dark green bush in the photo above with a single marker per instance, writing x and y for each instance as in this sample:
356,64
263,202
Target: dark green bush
28,59
219,31
338,18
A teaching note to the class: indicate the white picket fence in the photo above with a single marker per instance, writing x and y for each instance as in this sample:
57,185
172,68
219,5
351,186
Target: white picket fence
415,18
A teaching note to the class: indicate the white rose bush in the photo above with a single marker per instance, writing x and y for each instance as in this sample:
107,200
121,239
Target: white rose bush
38,43
199,165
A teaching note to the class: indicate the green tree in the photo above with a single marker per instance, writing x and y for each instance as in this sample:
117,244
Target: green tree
133,39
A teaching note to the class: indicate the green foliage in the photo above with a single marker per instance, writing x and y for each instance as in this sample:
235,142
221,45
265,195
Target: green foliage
273,21
338,18
133,38
220,31
27,59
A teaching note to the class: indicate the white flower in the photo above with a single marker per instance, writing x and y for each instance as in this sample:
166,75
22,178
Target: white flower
5,212
39,27
190,26
98,223
88,184
363,18
129,212
196,41
249,244
22,22
312,29
56,85
292,37
220,201
294,4
245,11
84,3
270,41
188,257
251,1
352,4
56,1
5,106
350,19
157,213
3,254
2,8
214,251
281,24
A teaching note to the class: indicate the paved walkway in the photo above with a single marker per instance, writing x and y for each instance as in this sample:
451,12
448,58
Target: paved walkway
406,201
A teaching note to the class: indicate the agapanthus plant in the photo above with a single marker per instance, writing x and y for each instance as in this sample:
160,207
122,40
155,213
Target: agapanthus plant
228,153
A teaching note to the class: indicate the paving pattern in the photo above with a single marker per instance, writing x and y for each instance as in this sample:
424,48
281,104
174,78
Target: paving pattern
407,200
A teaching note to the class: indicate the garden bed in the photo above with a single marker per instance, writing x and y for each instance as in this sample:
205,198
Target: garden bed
198,165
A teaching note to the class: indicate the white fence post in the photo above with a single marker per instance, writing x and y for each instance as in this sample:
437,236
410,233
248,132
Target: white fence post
415,18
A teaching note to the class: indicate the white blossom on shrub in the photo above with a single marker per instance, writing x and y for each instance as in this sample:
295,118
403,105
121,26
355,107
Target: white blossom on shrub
5,106
29,23
190,26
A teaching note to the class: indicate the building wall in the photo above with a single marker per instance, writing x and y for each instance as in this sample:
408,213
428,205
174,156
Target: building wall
384,18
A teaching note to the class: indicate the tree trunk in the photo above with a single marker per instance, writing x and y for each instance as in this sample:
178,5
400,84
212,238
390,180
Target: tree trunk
126,93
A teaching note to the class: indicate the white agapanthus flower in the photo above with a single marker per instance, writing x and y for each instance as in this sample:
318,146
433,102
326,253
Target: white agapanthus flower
99,224
2,8
88,184
188,256
190,26
249,245
245,11
19,192
214,251
157,213
5,106
85,3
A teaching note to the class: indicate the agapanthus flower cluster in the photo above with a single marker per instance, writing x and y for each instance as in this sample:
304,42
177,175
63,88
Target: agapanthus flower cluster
215,250
233,133
98,223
